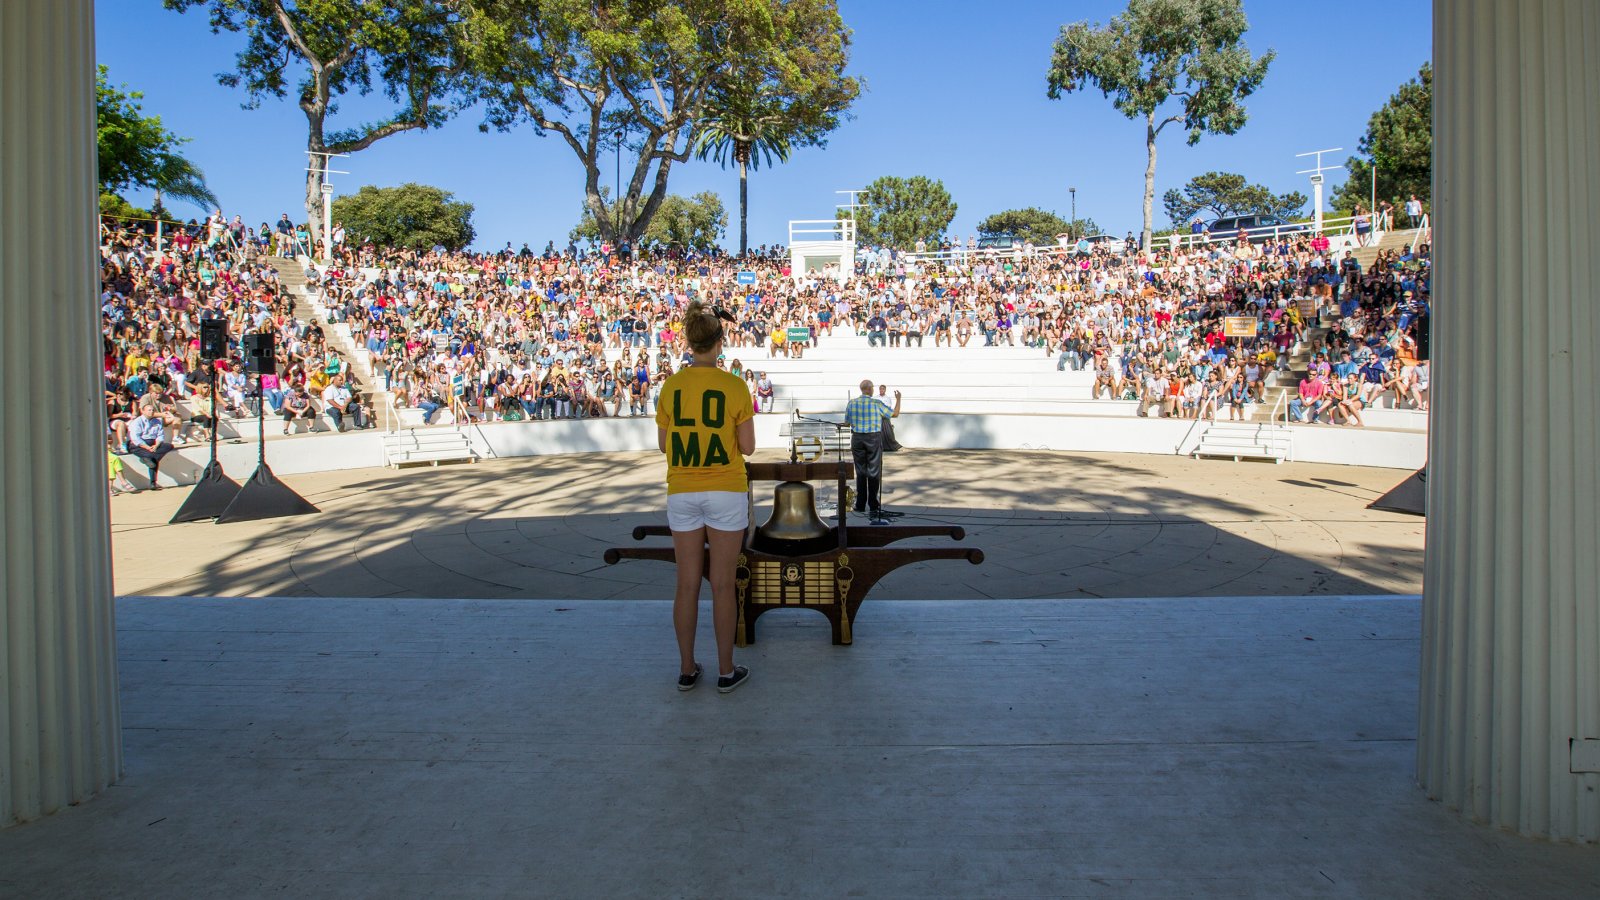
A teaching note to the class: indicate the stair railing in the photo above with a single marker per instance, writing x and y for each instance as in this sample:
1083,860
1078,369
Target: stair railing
1281,403
1178,450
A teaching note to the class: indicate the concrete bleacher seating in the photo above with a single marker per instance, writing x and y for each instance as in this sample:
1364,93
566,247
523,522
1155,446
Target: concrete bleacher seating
970,380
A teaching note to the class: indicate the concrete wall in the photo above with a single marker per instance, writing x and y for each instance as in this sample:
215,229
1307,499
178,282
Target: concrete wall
1081,434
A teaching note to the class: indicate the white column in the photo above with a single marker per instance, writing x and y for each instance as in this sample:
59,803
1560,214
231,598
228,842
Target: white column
1510,702
59,737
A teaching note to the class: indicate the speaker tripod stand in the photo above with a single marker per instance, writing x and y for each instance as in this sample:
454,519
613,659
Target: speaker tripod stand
215,490
263,496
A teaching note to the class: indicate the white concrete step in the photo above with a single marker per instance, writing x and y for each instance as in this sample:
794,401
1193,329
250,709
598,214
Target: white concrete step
1245,440
430,445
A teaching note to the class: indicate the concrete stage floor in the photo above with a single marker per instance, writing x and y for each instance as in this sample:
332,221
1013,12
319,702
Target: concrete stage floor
1054,525
1206,747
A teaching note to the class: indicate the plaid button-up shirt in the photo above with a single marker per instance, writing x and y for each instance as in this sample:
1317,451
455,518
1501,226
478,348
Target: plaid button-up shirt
866,414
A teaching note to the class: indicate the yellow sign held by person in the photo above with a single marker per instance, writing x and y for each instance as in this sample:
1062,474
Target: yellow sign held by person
1239,326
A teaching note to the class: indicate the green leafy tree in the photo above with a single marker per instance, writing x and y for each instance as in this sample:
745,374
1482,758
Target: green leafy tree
1164,61
1227,194
136,150
408,49
898,212
115,206
1036,225
412,216
1399,140
686,223
640,78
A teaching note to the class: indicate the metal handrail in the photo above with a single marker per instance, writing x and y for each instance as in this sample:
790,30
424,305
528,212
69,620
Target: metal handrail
1178,450
1423,233
827,229
1331,227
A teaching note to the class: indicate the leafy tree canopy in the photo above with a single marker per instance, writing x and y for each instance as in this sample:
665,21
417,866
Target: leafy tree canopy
136,150
1217,194
685,223
1399,140
412,216
898,212
640,77
1164,61
1036,225
322,50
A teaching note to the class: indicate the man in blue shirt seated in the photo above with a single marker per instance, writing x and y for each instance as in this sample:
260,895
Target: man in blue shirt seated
1345,367
147,440
877,329
865,414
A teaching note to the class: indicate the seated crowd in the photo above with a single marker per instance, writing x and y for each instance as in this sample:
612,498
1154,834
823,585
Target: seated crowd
157,386
1151,326
520,335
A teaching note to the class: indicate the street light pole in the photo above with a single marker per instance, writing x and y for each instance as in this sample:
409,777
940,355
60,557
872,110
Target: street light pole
1073,228
1316,182
326,189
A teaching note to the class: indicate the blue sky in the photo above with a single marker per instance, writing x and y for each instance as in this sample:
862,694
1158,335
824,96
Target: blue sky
955,91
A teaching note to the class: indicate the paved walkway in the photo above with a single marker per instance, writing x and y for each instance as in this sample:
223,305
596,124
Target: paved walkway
1053,525
1214,747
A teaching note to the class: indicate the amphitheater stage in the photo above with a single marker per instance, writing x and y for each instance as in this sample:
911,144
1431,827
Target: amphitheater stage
1053,525
1193,747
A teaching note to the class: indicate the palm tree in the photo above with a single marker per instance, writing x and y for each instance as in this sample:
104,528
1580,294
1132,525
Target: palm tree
739,127
177,177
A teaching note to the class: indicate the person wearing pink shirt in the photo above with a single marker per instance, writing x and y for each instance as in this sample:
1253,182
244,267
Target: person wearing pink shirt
1306,404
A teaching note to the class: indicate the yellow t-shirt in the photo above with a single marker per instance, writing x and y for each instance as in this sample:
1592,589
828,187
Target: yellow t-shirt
701,407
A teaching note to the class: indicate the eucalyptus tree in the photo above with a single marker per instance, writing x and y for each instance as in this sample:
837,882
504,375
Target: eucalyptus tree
1164,61
326,50
641,78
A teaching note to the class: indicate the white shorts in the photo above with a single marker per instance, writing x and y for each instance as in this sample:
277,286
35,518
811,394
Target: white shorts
722,510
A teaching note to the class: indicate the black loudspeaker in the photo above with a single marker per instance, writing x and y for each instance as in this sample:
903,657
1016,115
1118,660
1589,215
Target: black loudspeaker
213,339
259,353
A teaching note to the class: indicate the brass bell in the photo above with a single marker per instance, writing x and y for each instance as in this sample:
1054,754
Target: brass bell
794,514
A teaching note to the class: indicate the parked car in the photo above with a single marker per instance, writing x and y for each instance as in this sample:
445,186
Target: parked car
999,242
1110,243
1261,227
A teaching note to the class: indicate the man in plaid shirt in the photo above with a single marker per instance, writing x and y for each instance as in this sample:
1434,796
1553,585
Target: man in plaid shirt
865,415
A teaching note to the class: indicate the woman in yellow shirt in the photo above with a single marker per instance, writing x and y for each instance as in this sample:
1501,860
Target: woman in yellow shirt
706,426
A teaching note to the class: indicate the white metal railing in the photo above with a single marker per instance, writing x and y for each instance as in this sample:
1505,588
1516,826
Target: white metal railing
1332,227
801,230
392,411
962,254
1423,233
1178,450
